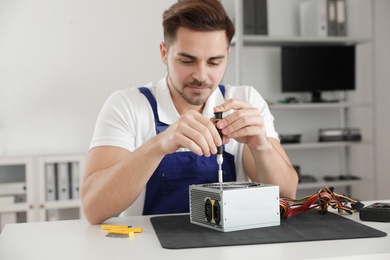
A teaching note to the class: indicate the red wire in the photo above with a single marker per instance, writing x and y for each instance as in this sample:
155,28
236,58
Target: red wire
322,200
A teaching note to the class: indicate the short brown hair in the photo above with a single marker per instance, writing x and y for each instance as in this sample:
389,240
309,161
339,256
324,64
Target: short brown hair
197,15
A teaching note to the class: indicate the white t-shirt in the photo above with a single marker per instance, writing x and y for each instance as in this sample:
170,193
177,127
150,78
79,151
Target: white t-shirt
126,120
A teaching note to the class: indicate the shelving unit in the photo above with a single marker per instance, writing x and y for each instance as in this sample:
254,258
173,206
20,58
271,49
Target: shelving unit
260,40
32,204
18,205
324,145
319,105
341,110
59,208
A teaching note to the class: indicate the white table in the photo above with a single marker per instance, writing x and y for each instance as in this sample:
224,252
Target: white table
76,239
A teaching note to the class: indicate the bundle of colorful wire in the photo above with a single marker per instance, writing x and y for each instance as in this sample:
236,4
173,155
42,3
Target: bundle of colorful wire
322,200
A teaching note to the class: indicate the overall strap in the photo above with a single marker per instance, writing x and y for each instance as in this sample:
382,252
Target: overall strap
151,100
222,88
160,127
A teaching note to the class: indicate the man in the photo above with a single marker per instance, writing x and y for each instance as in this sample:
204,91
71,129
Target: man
151,143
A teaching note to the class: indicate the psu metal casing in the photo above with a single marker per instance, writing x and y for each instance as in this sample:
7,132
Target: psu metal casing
232,206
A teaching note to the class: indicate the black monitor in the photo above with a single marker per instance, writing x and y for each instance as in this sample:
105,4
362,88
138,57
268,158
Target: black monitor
317,68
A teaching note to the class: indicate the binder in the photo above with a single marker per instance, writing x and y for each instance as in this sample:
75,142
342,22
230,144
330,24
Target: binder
249,16
313,18
56,181
261,18
70,180
332,22
50,182
75,180
13,188
341,17
63,181
255,17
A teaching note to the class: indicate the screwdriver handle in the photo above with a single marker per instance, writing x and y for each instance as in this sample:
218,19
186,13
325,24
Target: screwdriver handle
217,117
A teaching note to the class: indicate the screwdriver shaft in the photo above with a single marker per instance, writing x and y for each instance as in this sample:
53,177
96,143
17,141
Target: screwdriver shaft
217,117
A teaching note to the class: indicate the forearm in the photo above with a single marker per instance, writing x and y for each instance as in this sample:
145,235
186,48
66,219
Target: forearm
272,166
108,191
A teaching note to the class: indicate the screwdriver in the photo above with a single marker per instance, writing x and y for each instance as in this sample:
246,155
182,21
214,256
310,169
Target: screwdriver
217,117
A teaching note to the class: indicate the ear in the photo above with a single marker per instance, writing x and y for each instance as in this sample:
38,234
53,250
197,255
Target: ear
163,52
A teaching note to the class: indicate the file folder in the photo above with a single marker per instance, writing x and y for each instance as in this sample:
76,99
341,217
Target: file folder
50,182
74,180
249,16
261,18
332,16
313,18
13,188
341,17
255,17
63,181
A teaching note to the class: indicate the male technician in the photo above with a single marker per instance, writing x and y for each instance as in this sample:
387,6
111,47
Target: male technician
151,143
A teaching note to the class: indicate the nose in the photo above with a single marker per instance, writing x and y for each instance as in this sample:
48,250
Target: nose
200,73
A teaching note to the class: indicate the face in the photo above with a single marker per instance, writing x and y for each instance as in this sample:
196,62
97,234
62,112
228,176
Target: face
196,63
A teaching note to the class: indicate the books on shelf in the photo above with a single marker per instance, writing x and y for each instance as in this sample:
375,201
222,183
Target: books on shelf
62,181
322,18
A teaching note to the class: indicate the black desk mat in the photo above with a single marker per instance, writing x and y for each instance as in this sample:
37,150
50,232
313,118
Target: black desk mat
176,232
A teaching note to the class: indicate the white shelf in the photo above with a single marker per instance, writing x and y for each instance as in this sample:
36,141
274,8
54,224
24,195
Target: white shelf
324,145
323,184
263,40
16,207
330,105
62,204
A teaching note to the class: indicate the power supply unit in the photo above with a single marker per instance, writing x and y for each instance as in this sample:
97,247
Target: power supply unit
232,206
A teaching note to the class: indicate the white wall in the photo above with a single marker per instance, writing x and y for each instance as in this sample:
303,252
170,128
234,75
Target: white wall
59,61
382,79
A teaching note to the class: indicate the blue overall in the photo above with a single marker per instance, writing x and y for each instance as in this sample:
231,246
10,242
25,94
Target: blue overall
167,191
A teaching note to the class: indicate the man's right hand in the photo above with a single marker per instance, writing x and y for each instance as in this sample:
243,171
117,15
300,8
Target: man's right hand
192,131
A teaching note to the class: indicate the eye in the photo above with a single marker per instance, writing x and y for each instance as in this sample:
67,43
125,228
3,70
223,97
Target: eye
185,61
214,63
